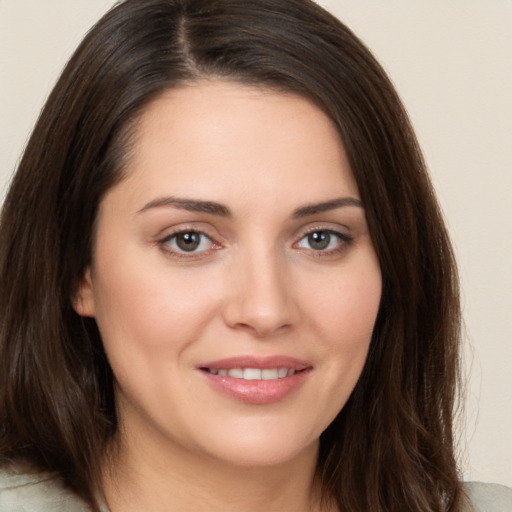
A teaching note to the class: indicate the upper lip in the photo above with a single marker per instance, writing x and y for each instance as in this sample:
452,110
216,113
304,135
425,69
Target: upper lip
277,361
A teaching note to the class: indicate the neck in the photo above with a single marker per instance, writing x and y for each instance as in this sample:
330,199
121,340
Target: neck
151,479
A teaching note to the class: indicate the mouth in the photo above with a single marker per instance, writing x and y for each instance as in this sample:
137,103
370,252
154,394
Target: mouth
255,380
253,373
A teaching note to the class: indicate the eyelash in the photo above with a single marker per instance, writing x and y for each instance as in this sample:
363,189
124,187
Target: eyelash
176,252
344,241
165,243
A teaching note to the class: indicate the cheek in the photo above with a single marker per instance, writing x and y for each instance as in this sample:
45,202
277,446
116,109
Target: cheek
147,308
341,310
148,321
344,319
347,310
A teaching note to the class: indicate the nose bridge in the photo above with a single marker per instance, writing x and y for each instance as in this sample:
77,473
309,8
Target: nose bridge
261,297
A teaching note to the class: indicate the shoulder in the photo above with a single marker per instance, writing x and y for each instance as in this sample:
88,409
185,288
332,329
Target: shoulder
488,497
24,492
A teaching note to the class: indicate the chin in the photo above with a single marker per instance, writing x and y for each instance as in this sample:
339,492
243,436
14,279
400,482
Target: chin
262,448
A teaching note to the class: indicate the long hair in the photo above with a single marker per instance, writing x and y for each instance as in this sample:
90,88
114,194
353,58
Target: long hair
391,447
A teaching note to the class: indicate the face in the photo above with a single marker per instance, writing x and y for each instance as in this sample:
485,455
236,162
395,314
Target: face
233,281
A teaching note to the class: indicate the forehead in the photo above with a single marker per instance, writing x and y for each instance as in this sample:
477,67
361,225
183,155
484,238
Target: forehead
203,138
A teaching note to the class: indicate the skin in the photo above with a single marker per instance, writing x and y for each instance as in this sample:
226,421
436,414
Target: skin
256,285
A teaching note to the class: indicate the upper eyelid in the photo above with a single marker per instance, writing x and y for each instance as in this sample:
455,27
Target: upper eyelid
163,244
173,234
345,237
321,226
344,234
213,234
169,232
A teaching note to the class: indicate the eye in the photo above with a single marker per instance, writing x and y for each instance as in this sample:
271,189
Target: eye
324,240
187,242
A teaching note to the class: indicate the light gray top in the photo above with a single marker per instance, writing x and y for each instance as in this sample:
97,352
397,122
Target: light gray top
489,497
20,492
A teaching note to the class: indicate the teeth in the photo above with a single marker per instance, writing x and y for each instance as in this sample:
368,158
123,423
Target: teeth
269,374
254,373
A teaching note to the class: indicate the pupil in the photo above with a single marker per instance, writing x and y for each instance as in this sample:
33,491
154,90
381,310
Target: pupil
188,241
319,240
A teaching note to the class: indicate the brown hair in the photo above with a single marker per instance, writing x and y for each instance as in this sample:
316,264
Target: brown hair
391,447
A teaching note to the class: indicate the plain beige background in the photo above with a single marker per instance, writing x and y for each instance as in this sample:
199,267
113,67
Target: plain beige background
451,61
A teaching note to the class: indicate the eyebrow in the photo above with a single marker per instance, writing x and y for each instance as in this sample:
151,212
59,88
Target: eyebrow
191,205
312,209
214,208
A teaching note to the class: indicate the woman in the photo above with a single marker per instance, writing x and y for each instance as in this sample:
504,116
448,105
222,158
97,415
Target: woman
225,281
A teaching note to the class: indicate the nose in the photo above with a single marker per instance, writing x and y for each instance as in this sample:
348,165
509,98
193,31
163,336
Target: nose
260,299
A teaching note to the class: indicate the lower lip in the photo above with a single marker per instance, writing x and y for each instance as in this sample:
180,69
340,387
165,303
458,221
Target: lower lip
257,392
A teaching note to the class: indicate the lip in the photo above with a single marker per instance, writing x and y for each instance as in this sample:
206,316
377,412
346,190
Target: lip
257,362
257,392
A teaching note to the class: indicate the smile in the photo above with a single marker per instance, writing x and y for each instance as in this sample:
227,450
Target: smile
257,380
253,373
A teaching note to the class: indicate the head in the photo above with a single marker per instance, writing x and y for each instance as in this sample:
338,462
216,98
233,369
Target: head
399,414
